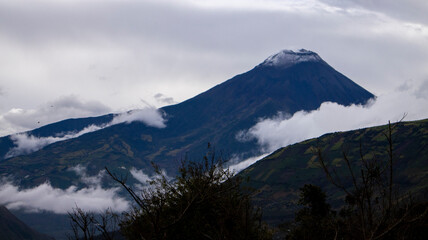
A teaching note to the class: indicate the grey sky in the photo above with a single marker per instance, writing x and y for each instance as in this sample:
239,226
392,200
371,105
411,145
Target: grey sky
107,56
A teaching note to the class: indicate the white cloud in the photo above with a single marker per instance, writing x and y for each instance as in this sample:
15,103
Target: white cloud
146,181
25,144
140,176
281,131
236,165
85,178
47,198
150,116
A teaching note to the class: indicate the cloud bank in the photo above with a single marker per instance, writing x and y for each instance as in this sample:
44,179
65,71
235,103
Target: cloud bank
280,131
92,197
25,143
47,198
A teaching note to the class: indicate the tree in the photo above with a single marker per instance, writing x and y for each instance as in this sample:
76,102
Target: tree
204,201
91,226
374,209
315,220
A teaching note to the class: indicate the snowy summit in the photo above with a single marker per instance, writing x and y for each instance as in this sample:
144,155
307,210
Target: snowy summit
288,58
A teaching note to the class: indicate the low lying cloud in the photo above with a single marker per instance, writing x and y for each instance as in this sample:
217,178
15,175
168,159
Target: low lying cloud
149,116
164,100
236,165
85,178
145,180
282,130
47,198
25,143
140,176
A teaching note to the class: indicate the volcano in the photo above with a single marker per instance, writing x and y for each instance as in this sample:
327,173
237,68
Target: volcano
286,82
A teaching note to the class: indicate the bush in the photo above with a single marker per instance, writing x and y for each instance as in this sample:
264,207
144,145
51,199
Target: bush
203,202
373,207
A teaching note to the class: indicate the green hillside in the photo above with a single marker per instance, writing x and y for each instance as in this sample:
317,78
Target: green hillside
278,177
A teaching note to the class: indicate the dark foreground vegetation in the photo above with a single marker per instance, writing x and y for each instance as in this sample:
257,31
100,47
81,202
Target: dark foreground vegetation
373,209
204,201
207,202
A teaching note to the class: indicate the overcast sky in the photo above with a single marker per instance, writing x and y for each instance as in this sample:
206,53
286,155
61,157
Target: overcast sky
76,58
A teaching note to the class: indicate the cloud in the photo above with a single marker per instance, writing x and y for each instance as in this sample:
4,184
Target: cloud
411,10
162,99
280,131
62,108
146,181
85,178
150,116
140,176
25,143
47,198
422,91
236,165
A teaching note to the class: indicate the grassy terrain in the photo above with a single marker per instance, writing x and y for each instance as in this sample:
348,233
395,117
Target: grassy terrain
278,177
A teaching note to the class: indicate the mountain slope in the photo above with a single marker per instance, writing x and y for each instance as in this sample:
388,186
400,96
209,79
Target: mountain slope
285,82
278,177
12,228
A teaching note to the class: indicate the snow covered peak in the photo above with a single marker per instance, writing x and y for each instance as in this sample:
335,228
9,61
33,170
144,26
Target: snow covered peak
287,58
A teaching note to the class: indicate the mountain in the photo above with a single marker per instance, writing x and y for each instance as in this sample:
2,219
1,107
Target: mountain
278,177
285,82
12,228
